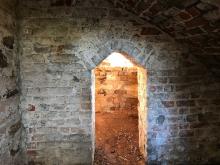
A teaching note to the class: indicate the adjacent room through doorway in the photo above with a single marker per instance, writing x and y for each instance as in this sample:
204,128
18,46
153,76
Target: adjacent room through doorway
120,111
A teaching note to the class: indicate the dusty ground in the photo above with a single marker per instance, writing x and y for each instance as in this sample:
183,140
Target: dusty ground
117,139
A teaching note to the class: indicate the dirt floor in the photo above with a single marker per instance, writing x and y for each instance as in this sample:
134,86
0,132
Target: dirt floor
117,139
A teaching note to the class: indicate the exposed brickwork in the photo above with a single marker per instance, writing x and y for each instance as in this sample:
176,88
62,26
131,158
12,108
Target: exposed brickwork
58,53
61,41
116,89
193,22
10,122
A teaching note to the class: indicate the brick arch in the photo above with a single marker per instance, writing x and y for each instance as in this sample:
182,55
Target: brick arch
133,52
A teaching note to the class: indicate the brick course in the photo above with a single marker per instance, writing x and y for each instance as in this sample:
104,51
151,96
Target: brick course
60,42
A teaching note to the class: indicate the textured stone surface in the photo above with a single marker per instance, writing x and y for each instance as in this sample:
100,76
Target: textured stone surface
61,41
10,121
192,22
116,89
60,46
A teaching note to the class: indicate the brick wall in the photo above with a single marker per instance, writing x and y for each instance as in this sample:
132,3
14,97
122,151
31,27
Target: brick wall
10,123
184,122
116,89
62,42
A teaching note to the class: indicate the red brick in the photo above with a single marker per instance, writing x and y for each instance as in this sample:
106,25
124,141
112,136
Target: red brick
102,92
32,152
31,107
193,12
120,92
133,101
156,88
168,104
184,15
153,88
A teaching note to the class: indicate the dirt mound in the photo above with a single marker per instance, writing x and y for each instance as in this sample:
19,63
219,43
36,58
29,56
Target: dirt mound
117,140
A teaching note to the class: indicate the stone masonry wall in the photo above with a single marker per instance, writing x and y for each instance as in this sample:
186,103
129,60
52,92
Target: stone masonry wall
116,89
186,122
10,123
62,41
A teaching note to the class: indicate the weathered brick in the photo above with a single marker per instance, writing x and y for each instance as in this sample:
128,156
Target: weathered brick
194,12
31,107
199,21
168,104
183,126
186,133
184,15
191,118
38,48
185,103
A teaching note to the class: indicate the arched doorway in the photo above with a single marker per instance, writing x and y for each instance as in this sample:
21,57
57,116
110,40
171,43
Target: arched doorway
119,104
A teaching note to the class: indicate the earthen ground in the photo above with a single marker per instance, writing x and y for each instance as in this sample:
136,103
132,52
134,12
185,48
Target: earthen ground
117,139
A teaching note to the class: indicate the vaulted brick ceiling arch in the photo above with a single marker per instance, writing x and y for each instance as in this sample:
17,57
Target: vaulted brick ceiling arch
194,22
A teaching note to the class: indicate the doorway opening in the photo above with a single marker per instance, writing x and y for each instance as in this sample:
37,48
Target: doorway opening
119,103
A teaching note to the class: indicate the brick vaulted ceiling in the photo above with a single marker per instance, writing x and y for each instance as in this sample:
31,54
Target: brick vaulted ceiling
195,22
192,22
